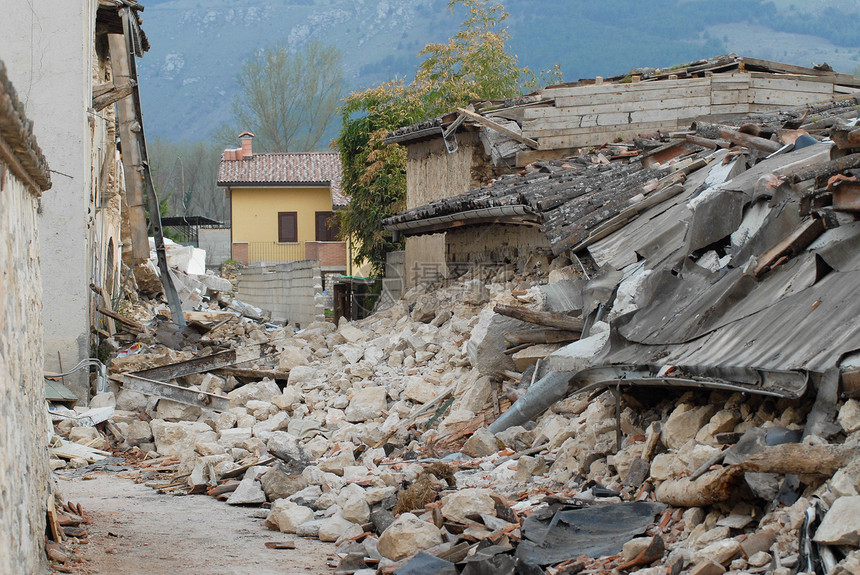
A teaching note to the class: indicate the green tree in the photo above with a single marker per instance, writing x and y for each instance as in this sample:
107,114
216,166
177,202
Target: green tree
473,64
287,99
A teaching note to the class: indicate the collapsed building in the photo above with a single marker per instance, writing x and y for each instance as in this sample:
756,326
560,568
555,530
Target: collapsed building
638,355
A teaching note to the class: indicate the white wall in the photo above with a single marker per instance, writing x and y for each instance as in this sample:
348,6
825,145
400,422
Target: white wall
47,47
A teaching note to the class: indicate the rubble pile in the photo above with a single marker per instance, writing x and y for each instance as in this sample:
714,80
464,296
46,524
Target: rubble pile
460,430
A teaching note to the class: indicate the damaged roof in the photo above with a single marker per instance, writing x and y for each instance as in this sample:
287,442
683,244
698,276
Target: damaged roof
733,257
772,273
285,169
594,111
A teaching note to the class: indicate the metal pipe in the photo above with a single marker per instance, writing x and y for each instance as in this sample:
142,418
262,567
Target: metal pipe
537,398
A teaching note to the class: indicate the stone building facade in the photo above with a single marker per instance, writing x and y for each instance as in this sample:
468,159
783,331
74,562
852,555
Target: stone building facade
23,418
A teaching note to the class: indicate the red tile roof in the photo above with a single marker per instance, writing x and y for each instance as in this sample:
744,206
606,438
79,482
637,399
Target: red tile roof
285,169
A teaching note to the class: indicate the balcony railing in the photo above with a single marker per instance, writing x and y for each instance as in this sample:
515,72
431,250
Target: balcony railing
329,253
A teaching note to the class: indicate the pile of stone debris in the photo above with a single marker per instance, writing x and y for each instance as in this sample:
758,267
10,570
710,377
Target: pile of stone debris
373,435
668,412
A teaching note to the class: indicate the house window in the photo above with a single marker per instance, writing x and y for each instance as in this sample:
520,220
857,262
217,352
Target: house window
287,227
327,228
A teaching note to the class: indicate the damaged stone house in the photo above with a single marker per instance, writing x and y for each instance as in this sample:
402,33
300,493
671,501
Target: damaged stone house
71,66
451,155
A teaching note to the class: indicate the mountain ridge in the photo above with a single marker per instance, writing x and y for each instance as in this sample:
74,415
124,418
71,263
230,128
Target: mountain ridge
188,78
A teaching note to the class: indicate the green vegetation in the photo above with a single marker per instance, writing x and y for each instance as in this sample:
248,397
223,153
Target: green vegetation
473,64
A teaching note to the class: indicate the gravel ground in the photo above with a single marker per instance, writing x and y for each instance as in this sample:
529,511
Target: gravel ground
134,529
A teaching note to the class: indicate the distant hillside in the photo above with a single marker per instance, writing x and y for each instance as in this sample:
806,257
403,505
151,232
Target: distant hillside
188,77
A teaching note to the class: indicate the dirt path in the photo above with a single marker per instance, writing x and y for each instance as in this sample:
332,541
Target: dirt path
133,529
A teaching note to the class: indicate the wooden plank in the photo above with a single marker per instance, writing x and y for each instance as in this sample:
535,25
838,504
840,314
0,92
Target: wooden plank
628,98
526,157
740,108
667,115
498,127
53,523
120,318
70,449
201,364
545,318
733,78
833,77
570,114
628,87
729,96
785,98
589,136
593,129
127,120
845,90
792,85
614,103
176,393
600,136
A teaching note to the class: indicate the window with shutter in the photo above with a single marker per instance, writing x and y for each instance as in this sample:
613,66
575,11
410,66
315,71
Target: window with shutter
288,227
327,228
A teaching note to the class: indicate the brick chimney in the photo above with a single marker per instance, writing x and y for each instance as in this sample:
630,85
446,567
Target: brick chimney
247,139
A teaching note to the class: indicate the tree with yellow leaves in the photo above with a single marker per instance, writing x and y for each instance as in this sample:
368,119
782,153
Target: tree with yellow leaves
474,64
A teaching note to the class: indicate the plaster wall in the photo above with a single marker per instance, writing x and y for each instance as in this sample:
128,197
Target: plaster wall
255,211
48,46
433,174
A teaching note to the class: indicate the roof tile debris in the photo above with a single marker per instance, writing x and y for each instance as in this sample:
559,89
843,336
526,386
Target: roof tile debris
285,169
17,131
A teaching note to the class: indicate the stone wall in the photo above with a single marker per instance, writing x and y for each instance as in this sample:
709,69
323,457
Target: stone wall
291,291
23,417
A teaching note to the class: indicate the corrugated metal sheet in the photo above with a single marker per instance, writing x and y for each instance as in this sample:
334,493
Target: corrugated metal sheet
801,315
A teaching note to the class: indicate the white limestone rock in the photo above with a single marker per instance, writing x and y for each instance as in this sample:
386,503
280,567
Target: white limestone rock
366,404
849,416
291,357
481,444
419,390
249,491
264,390
333,528
473,501
174,411
841,524
176,438
286,516
684,423
407,536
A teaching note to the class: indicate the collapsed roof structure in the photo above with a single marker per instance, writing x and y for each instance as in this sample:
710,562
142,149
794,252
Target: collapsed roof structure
719,246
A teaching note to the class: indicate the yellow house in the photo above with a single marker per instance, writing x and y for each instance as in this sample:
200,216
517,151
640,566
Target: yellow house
282,206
